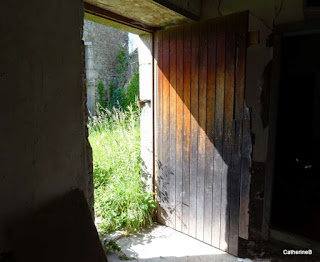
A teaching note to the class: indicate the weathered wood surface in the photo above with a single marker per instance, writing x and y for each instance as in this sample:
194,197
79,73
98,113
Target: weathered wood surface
186,129
210,104
194,129
165,179
202,147
173,124
179,131
245,176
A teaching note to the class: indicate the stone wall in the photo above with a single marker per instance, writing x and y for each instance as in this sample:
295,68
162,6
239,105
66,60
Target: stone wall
102,44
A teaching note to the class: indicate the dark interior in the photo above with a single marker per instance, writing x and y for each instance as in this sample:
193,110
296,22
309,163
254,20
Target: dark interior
296,197
311,3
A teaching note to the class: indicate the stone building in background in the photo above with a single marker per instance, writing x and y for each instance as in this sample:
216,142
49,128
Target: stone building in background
102,44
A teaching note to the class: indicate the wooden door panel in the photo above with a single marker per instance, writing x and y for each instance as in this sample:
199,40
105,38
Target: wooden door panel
200,113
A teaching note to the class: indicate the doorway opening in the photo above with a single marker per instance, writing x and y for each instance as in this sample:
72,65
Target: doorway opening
296,197
182,58
121,140
122,200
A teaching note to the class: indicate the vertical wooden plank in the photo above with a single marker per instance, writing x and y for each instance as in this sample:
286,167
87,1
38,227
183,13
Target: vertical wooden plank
240,28
245,176
194,129
179,130
173,111
202,130
159,122
166,128
186,129
227,134
210,104
218,134
229,127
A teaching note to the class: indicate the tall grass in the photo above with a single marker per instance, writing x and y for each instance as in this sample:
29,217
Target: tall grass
120,199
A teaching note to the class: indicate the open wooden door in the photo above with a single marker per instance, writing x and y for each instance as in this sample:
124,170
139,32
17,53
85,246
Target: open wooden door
201,147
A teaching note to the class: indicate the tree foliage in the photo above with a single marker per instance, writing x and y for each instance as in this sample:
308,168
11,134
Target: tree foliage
119,97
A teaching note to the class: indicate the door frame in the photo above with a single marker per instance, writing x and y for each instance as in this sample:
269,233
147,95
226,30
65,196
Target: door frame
121,23
280,31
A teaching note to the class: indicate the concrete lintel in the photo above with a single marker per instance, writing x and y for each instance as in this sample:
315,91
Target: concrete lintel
107,18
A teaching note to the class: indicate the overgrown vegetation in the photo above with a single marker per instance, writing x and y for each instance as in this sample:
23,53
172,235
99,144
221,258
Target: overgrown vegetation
120,199
101,95
121,202
123,65
110,246
119,96
132,93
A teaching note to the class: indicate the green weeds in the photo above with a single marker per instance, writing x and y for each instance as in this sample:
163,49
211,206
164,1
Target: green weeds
120,199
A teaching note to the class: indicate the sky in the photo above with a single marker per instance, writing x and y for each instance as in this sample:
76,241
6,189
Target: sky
133,42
